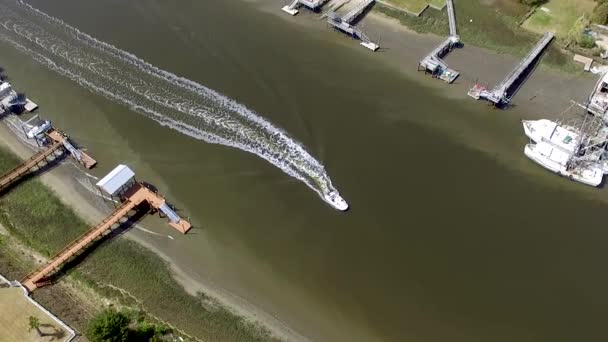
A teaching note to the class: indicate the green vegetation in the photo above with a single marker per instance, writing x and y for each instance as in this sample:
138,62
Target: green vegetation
558,16
33,324
600,13
34,214
415,6
493,27
116,326
532,2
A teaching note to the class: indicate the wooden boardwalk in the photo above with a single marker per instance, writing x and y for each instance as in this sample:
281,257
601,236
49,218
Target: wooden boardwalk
28,165
133,198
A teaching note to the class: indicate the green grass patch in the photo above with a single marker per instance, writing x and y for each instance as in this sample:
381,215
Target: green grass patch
35,215
558,16
485,26
415,6
437,3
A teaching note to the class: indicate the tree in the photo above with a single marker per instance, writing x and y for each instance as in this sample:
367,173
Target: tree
34,323
586,42
600,14
109,326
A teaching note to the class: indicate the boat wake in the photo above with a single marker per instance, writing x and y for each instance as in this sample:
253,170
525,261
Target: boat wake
172,101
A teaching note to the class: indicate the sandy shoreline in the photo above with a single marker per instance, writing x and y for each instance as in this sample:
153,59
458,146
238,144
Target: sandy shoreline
61,181
546,92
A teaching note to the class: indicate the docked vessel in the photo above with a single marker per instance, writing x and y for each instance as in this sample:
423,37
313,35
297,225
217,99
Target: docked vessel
335,200
598,100
576,151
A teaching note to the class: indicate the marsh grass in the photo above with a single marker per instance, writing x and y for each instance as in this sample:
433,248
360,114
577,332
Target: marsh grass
484,26
35,215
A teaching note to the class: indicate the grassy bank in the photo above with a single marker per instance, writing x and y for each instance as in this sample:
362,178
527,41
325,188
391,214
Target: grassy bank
34,215
485,26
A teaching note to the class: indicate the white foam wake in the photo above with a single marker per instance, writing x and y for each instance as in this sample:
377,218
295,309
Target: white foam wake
172,101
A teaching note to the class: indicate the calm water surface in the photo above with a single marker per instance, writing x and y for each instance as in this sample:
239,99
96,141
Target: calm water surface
443,242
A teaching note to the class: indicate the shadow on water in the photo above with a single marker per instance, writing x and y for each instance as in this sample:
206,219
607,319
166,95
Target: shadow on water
516,86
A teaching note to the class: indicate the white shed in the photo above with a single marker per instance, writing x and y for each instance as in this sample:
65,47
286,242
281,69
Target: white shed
116,179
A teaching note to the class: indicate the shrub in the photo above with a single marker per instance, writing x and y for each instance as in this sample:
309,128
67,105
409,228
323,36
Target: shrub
586,42
109,326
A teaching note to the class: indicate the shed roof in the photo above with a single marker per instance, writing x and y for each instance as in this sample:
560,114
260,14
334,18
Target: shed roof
116,179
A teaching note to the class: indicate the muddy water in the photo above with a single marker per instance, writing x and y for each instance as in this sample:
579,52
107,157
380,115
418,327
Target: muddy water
442,242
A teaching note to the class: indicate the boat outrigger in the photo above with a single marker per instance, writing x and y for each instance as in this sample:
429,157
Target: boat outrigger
576,150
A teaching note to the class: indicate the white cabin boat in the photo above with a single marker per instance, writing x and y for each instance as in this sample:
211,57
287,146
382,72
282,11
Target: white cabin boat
335,200
556,160
557,148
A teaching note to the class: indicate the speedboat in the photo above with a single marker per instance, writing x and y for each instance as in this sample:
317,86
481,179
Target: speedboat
335,200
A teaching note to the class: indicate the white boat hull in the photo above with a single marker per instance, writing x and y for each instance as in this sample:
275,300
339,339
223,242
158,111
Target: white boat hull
370,46
336,201
590,176
289,10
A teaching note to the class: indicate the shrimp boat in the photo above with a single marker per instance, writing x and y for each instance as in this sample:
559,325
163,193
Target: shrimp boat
598,100
575,149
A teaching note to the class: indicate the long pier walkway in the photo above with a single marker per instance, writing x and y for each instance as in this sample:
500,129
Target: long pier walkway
356,11
28,165
498,95
133,198
433,62
451,18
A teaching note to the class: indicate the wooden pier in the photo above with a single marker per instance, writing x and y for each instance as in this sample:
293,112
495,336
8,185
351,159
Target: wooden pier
499,94
133,198
29,165
344,25
58,141
356,11
433,62
452,18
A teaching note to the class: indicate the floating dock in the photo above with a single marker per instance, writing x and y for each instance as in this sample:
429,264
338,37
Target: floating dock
118,183
313,5
499,95
433,62
11,100
344,24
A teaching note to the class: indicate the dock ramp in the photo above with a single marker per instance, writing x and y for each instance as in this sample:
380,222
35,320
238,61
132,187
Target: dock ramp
451,18
499,94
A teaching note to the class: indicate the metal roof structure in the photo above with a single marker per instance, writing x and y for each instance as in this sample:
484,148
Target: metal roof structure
116,179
